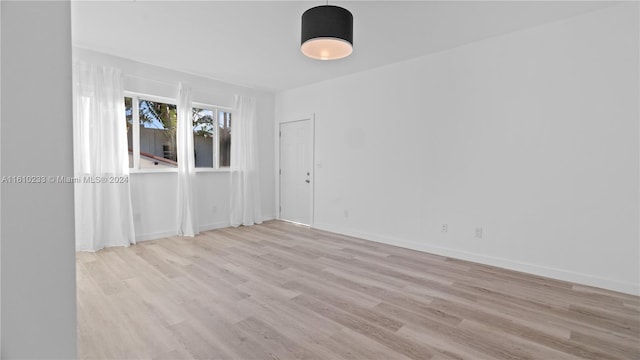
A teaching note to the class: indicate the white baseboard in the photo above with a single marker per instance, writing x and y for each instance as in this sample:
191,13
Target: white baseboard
268,217
202,227
215,225
164,234
224,224
154,236
554,273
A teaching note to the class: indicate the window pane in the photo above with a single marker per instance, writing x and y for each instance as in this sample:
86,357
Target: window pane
157,135
224,138
203,136
128,113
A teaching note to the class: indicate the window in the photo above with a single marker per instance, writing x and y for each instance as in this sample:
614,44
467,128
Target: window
204,133
152,144
128,112
224,136
158,122
211,136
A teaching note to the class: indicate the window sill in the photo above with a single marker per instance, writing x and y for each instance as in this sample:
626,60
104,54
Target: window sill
210,170
153,171
174,170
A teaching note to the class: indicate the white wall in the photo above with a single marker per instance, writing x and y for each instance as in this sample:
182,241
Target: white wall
532,136
38,247
154,194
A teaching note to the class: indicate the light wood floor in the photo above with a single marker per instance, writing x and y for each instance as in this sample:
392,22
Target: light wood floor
280,291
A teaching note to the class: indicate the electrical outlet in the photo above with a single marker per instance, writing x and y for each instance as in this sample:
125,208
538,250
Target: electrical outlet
214,209
479,232
346,213
445,228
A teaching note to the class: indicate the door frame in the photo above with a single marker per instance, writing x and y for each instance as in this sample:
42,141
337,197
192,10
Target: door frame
303,117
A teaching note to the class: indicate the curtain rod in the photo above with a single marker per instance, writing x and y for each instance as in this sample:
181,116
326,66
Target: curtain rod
150,79
164,97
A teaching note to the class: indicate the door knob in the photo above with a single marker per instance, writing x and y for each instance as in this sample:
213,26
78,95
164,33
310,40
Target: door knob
307,181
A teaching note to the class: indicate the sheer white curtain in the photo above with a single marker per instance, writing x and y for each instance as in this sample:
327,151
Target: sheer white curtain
187,219
245,182
103,212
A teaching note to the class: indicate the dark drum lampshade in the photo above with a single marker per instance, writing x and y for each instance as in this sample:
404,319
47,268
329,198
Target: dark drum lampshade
327,32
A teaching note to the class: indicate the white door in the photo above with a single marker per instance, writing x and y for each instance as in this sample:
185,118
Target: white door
296,165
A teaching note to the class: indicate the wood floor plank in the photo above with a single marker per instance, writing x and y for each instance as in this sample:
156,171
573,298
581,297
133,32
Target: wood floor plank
509,327
346,304
274,341
283,291
318,339
385,337
617,349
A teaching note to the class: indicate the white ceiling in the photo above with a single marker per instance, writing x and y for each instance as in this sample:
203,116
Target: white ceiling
257,44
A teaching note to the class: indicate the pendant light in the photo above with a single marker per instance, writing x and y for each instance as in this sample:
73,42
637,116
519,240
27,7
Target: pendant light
327,32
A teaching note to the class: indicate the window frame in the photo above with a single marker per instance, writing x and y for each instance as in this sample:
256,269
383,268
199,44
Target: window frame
135,134
216,136
226,110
